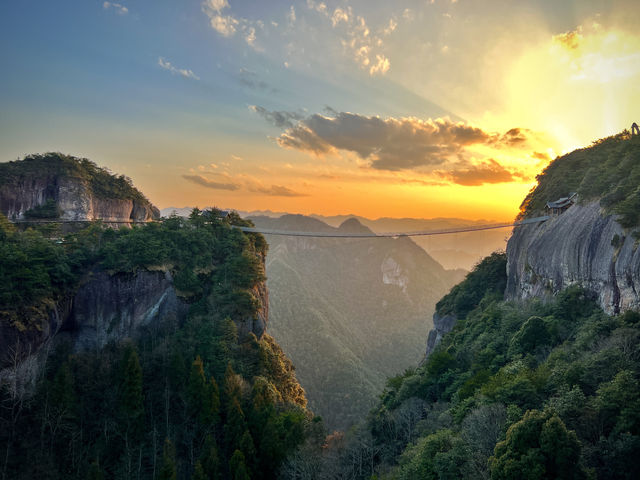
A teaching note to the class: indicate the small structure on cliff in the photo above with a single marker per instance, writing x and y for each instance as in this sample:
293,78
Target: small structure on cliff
634,129
562,204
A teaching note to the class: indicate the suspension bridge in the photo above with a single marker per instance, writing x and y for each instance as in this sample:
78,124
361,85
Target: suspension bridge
330,234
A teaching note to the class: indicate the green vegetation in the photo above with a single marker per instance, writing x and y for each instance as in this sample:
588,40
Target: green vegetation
48,166
517,390
487,280
344,328
608,170
47,210
189,400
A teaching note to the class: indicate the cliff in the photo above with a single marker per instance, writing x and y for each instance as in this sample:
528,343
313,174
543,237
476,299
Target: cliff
56,186
582,246
101,285
592,244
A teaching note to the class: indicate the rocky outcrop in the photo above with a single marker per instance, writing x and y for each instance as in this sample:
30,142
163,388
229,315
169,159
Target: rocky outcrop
442,324
393,274
74,199
109,308
104,308
581,246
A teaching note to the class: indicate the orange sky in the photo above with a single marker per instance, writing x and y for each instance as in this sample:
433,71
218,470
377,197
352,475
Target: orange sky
442,108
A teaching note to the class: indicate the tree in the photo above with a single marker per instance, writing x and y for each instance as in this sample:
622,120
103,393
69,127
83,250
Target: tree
539,446
238,467
168,470
131,398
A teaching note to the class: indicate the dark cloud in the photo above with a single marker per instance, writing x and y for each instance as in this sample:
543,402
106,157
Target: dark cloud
276,191
489,171
205,182
279,119
387,143
251,79
390,144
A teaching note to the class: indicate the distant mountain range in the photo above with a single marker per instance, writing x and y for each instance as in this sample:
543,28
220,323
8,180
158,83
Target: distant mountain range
460,250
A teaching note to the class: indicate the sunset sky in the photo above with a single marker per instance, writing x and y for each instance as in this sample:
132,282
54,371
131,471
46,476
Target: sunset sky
430,108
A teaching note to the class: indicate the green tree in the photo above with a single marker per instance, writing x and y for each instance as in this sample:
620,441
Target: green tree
238,467
539,446
168,470
131,397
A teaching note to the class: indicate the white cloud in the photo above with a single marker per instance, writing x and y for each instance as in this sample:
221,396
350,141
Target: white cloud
388,30
225,26
186,73
291,16
250,37
117,7
216,5
320,7
365,47
340,15
381,65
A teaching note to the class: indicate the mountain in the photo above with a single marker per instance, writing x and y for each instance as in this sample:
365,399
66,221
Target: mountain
141,353
594,242
56,186
348,311
453,251
533,367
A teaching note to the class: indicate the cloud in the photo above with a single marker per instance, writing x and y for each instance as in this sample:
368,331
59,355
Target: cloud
117,7
381,65
489,171
186,73
217,5
279,119
570,40
319,7
394,143
541,156
250,79
291,16
205,182
276,191
225,25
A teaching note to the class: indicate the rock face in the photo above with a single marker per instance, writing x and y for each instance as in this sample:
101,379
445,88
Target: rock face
74,199
442,324
581,246
105,308
114,307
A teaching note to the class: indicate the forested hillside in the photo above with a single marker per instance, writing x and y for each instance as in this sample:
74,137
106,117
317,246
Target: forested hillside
516,390
350,312
183,399
608,170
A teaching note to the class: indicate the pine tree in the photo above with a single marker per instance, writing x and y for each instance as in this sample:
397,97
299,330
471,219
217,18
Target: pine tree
238,467
197,391
210,460
168,470
131,397
198,473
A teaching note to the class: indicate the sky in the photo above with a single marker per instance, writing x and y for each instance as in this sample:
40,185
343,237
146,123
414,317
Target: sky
407,108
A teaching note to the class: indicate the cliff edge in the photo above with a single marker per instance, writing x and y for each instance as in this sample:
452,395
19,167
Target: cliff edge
583,246
56,186
592,241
